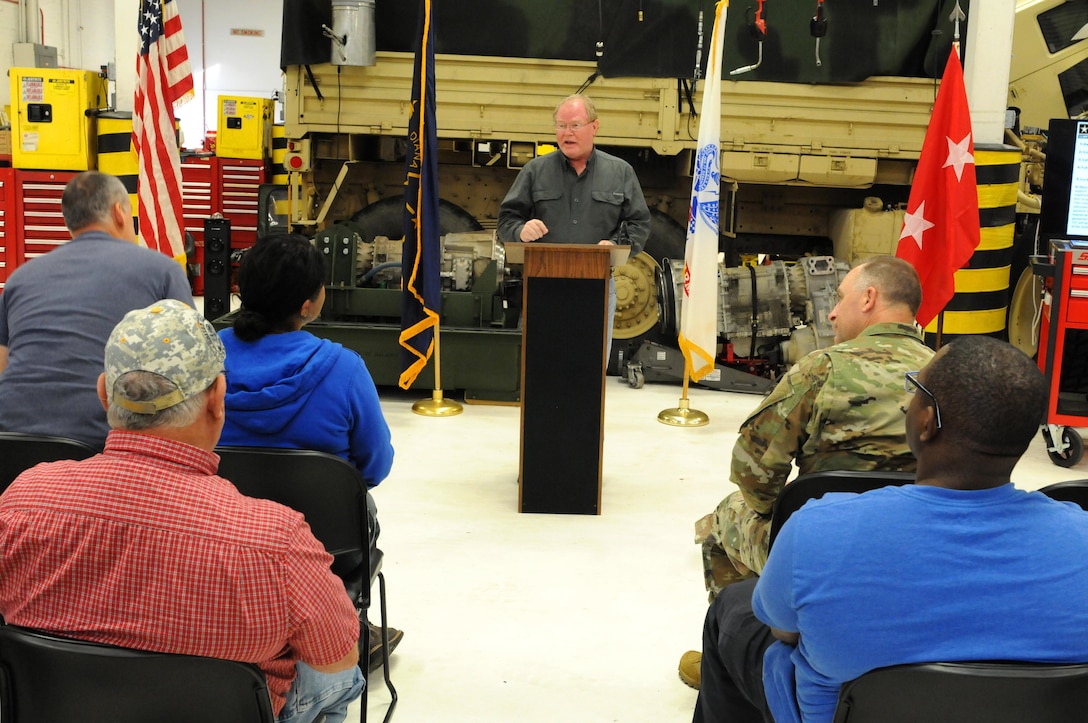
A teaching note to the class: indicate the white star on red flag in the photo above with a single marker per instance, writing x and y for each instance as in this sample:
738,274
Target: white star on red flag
915,224
959,155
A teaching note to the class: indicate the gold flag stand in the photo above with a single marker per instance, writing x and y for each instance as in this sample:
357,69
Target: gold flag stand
683,415
436,406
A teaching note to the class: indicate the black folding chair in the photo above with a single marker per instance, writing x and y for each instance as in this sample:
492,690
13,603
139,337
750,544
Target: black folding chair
968,692
331,494
1070,491
815,485
48,678
19,452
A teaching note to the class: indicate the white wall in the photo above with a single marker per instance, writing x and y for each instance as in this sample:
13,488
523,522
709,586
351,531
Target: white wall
91,33
225,64
126,46
9,34
80,30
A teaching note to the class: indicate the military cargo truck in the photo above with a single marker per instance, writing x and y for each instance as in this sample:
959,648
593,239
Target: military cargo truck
824,110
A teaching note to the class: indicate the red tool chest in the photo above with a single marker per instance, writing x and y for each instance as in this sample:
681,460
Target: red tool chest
7,223
1063,346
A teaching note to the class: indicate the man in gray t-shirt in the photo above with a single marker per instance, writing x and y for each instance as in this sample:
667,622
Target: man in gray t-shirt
57,310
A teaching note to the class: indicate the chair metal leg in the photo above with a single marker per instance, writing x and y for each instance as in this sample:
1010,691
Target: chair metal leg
364,635
385,651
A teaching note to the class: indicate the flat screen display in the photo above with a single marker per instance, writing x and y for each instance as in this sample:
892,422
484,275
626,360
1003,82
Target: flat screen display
1077,223
1065,181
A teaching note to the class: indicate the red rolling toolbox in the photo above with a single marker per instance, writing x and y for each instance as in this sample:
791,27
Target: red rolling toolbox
39,222
1063,346
7,223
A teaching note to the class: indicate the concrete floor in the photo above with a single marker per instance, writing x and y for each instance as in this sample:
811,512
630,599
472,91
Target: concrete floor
546,618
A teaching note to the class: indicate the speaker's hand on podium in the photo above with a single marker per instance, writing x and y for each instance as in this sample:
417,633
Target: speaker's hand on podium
533,230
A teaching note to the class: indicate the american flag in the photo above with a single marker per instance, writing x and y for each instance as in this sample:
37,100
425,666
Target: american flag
164,81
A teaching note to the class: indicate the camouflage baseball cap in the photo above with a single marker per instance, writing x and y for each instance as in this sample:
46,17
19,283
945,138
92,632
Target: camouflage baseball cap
168,338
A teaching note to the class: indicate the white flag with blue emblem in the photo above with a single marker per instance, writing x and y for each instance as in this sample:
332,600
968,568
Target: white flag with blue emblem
699,306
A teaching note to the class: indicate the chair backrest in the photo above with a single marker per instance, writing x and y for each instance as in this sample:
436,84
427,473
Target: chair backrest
328,491
983,692
815,485
20,452
1071,491
48,678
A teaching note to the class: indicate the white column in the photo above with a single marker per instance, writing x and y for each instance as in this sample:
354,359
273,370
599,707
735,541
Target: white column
986,69
127,45
32,20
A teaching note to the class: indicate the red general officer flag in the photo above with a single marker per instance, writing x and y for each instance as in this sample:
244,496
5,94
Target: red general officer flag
164,80
941,227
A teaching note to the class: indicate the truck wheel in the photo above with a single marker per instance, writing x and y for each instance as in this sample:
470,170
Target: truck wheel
386,218
667,237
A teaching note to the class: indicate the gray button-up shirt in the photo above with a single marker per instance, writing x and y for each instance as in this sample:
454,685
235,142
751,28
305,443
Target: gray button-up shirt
604,202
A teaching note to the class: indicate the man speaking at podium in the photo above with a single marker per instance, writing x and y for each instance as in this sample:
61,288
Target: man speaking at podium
581,195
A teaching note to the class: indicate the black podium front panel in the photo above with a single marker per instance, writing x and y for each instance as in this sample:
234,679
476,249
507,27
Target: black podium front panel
562,395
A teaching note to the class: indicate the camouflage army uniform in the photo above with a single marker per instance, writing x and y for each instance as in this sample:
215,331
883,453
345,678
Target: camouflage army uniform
838,408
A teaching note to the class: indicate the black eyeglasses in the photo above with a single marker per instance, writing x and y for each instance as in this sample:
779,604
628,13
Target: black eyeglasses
912,383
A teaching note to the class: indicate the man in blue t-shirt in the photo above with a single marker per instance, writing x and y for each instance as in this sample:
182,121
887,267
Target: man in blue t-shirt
959,566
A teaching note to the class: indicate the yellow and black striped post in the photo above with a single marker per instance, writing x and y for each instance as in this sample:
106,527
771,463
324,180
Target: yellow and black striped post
980,304
116,156
279,152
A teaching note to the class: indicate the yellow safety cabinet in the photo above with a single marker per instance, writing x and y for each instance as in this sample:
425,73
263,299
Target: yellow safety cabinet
51,128
245,128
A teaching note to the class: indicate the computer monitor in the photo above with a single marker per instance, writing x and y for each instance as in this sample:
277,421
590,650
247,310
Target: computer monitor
1065,181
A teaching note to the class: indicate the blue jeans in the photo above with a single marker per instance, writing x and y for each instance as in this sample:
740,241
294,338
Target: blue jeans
313,694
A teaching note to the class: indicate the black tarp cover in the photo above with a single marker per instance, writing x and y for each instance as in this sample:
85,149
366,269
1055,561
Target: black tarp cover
864,37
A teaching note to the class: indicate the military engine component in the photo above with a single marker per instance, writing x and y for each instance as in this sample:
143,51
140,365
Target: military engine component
377,263
761,309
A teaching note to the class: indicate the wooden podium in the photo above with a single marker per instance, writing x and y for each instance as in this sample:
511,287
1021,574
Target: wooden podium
564,329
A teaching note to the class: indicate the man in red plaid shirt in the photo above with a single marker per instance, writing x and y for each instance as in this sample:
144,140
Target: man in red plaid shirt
145,547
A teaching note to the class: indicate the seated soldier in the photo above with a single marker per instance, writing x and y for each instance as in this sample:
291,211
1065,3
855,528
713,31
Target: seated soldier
837,408
960,566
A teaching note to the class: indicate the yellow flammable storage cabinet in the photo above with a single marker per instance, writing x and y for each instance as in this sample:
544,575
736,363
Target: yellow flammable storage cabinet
50,126
245,128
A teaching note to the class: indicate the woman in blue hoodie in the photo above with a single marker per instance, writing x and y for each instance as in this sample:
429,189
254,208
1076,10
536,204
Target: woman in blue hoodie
288,388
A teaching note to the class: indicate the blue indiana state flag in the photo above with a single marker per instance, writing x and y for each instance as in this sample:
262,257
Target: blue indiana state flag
421,262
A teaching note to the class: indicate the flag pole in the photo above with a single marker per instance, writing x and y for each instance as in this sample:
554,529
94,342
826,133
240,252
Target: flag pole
421,299
683,415
436,406
698,319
